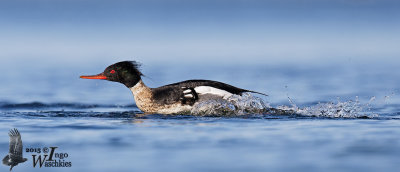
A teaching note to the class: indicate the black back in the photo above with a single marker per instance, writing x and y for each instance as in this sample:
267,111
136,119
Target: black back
172,93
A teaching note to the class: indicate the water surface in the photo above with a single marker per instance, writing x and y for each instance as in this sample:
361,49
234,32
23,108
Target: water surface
99,126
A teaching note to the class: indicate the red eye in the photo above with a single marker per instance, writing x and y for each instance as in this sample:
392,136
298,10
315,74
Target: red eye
112,71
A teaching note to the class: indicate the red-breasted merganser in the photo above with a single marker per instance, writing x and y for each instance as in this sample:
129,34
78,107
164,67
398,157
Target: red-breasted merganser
169,99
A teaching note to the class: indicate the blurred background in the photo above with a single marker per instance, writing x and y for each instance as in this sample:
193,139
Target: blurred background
272,46
309,50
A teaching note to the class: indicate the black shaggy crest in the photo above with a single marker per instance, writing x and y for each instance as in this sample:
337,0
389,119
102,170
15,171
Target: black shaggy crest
131,64
125,72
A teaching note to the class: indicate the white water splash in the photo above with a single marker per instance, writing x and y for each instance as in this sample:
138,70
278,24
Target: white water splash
346,109
251,105
235,105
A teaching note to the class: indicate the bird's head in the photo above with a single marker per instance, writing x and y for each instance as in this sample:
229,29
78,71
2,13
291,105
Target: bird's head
125,72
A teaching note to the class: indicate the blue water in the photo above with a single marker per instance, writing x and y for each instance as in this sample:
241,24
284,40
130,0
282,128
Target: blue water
343,117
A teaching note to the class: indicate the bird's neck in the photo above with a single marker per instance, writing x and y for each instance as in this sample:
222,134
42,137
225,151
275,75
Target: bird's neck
130,81
143,97
140,88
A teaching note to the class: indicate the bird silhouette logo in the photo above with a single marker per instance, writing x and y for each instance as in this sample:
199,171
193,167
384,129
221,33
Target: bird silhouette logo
14,156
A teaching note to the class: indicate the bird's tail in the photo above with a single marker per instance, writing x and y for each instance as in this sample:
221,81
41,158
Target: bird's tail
256,92
5,159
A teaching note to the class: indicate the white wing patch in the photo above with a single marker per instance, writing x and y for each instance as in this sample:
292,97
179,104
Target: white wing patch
211,90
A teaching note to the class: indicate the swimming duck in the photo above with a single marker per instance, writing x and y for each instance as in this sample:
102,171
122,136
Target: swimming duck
169,99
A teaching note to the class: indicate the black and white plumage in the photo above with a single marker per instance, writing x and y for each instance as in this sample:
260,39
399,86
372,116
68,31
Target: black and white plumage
169,99
188,92
14,156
